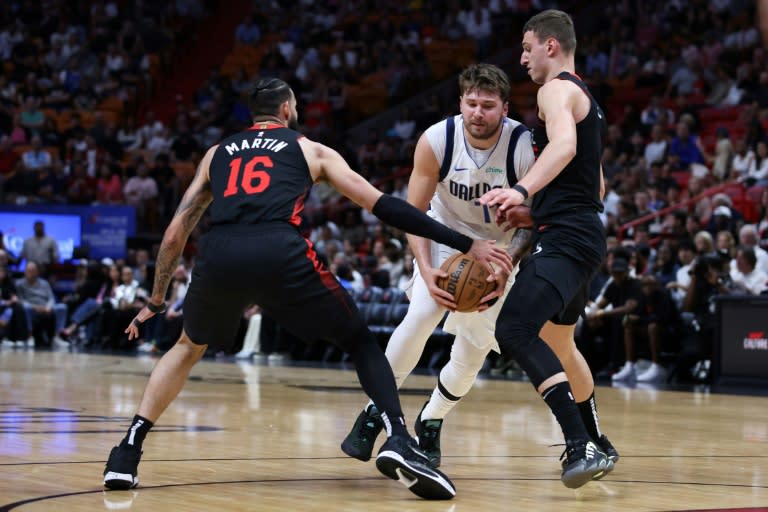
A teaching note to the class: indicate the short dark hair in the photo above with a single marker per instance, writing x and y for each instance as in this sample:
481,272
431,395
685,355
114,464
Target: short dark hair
749,254
556,24
485,77
686,244
266,95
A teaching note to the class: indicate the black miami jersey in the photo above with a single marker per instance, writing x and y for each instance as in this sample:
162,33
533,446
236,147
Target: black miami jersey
258,176
577,187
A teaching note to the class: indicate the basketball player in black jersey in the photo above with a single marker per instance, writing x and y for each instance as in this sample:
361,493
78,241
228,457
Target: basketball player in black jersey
569,242
255,183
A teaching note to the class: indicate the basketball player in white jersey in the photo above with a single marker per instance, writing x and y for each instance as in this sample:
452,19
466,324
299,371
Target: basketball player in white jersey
455,162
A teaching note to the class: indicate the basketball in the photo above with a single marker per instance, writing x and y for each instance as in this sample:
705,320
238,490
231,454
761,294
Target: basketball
466,281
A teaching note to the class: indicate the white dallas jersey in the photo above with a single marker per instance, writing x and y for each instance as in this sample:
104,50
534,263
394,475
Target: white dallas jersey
471,172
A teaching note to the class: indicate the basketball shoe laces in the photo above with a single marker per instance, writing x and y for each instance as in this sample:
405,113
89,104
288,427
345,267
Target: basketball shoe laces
576,452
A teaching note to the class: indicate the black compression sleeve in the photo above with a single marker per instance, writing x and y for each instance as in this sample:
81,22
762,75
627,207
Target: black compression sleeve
405,216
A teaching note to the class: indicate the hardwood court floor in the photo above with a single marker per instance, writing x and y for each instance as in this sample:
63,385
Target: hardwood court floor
259,437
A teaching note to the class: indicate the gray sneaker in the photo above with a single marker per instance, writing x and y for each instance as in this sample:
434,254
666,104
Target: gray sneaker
583,461
605,445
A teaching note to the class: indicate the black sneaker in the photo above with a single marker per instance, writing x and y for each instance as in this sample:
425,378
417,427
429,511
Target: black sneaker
583,462
359,442
121,471
428,437
400,459
607,448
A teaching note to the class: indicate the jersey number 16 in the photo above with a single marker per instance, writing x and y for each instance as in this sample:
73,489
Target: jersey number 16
254,180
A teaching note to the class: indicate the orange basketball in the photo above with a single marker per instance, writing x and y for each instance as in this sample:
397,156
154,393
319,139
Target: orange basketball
466,281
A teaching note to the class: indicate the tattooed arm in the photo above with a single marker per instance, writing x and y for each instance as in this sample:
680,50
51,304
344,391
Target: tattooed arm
520,244
191,208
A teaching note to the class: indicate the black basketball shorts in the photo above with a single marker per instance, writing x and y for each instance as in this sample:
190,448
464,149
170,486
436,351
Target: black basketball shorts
272,266
567,256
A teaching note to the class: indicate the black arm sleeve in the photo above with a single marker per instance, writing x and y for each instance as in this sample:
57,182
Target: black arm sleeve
405,216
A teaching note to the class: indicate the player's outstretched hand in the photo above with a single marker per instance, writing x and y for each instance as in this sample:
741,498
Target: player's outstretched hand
516,217
493,257
133,328
504,198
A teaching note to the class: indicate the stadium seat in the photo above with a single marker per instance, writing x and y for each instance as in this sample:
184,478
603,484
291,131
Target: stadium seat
392,295
370,294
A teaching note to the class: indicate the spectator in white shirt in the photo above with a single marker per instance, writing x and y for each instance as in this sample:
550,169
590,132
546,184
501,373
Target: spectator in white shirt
746,277
757,174
721,163
129,295
656,148
748,237
114,60
150,127
742,159
160,142
686,254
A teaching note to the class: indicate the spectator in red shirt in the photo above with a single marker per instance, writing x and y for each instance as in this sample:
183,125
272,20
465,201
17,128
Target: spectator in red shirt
81,188
8,158
109,186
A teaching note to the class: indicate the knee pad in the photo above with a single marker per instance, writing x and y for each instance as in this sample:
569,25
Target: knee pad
515,332
524,313
529,304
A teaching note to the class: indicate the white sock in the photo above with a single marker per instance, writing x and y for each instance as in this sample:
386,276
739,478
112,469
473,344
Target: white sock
438,406
456,378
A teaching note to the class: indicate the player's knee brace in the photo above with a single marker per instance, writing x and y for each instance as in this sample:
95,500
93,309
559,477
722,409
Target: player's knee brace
515,331
518,337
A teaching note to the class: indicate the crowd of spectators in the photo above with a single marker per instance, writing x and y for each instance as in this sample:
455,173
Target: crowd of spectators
694,71
73,80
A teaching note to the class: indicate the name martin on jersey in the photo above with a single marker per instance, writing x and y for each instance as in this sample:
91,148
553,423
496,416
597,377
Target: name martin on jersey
274,145
467,193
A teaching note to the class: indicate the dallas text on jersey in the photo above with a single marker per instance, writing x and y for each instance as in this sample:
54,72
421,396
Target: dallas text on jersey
469,193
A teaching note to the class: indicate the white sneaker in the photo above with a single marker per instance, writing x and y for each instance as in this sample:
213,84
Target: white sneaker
58,342
654,373
627,372
245,353
146,347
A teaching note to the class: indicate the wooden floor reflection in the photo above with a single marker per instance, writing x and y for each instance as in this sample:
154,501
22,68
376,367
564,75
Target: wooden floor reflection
259,437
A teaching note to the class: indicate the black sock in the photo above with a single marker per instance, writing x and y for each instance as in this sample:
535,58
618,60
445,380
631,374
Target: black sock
394,426
588,411
378,381
560,399
137,432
